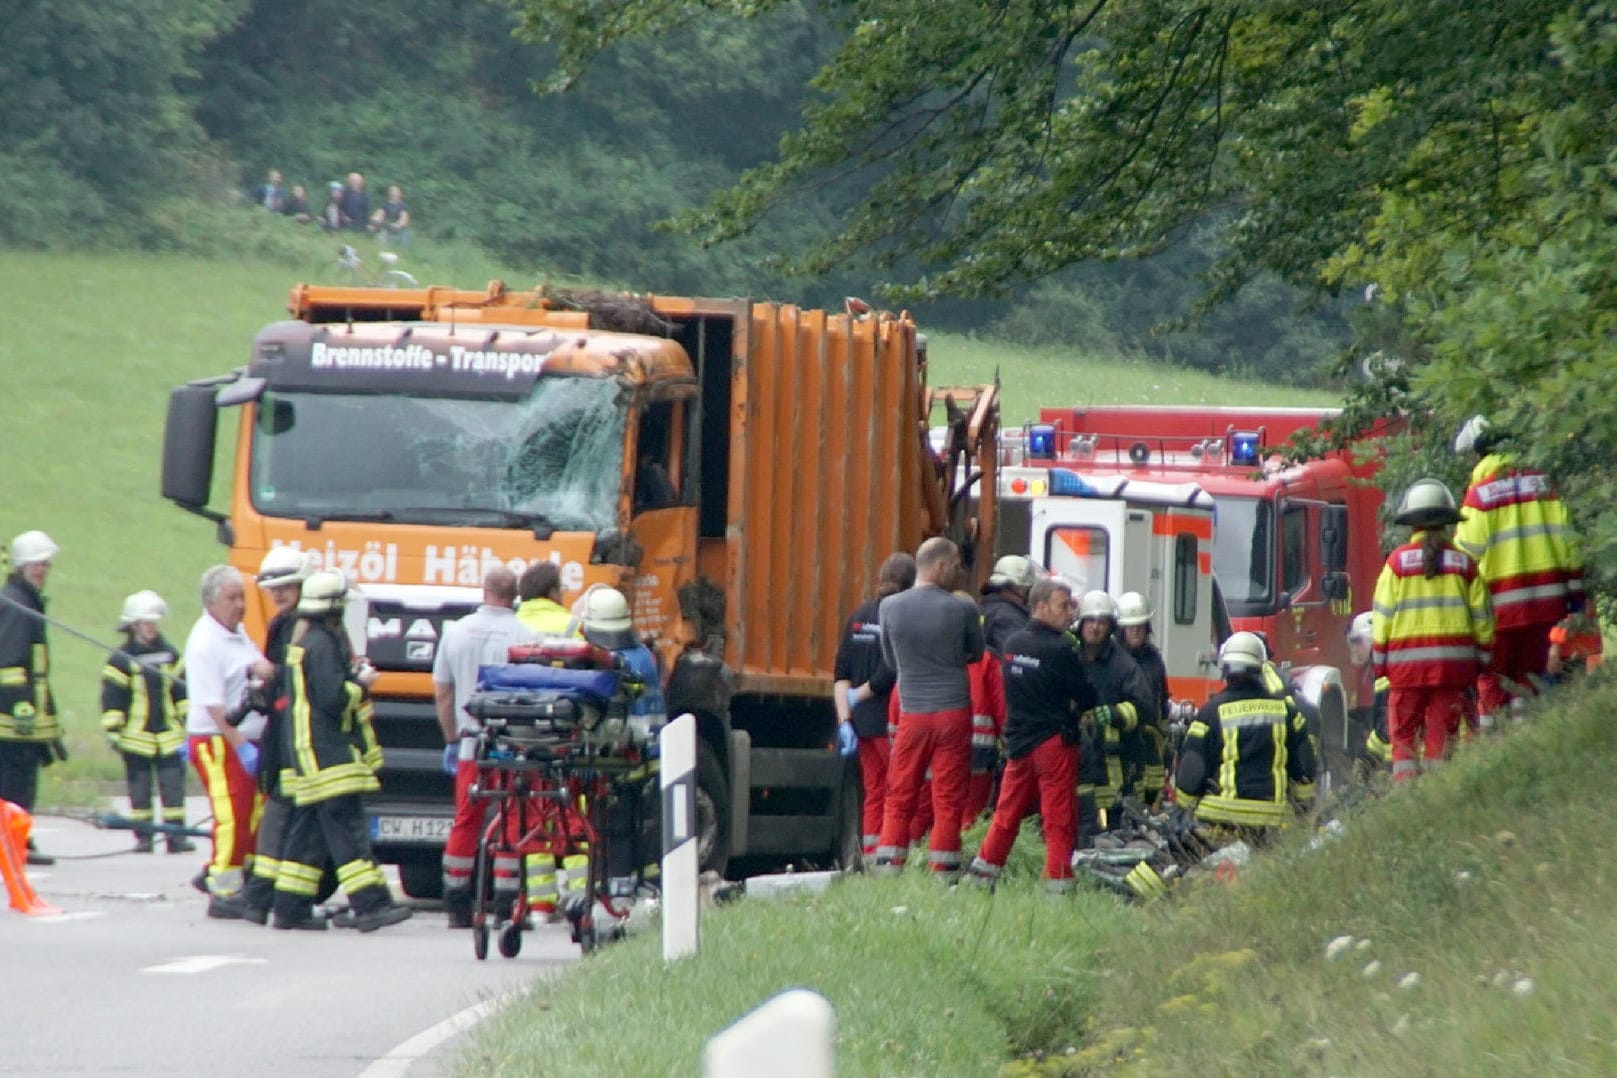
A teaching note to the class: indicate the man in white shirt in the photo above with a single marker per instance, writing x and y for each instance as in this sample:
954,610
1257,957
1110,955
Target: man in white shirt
480,638
220,663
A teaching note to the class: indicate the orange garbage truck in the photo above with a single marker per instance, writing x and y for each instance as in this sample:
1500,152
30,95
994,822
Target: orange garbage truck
738,469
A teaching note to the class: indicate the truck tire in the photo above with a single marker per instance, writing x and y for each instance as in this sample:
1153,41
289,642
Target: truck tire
1336,758
712,812
847,853
422,877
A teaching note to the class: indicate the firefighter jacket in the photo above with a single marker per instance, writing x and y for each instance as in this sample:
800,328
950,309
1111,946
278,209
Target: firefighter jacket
1430,632
141,699
859,662
327,738
1120,685
1244,754
27,708
272,758
1046,688
1516,527
1149,658
1003,614
546,617
987,710
1378,743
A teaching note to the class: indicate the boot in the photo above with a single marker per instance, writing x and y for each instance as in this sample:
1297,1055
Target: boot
36,858
180,844
458,908
389,913
145,844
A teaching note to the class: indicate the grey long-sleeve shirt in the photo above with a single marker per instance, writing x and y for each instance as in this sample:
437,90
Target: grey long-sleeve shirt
930,636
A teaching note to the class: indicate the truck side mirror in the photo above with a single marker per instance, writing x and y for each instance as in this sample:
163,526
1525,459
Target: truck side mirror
1333,537
188,439
1335,587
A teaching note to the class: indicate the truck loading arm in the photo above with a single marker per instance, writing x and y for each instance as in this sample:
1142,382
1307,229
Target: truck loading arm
969,461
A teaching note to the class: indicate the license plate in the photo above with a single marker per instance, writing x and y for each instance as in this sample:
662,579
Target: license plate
409,828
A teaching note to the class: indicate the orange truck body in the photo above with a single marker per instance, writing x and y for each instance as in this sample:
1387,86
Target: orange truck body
792,453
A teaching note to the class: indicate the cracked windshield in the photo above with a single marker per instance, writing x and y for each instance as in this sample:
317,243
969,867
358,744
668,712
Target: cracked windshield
554,458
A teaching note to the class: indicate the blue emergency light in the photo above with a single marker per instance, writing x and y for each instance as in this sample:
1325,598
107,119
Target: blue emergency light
1041,441
1245,446
1064,482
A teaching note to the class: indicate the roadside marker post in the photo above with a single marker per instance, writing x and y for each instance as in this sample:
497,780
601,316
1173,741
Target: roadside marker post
788,1036
677,751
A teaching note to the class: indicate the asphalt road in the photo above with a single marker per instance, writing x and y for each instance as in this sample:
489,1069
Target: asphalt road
131,978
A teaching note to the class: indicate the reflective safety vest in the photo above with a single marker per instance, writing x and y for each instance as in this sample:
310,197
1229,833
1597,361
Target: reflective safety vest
27,708
1245,756
327,730
546,617
141,698
1517,529
1429,632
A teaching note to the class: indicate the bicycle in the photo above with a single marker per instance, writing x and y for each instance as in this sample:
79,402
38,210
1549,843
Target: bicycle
351,269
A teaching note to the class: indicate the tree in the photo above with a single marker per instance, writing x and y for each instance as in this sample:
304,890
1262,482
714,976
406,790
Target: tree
1459,158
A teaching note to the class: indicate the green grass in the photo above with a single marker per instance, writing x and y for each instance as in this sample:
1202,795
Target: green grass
1498,868
93,343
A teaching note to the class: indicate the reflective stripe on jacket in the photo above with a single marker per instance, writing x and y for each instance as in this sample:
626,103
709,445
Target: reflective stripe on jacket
140,698
27,708
330,744
1517,529
1246,754
1430,631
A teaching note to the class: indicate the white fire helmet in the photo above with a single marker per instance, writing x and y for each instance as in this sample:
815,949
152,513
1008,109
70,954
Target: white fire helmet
1362,629
1132,609
1471,432
1243,652
1012,571
142,606
32,547
323,593
286,565
1097,604
606,619
1428,503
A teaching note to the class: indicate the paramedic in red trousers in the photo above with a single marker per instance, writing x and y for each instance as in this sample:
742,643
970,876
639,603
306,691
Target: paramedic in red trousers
929,637
1431,631
864,685
220,660
481,638
1046,690
1516,528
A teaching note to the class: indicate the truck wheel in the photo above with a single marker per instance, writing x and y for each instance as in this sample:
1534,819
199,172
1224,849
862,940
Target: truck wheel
1336,762
421,877
712,812
848,846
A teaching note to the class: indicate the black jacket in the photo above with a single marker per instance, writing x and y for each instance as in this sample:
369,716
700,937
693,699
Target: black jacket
1045,688
1149,658
1003,615
1240,741
1120,685
141,699
859,662
330,748
27,708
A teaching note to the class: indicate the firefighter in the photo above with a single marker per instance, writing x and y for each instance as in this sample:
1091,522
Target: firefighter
864,688
281,574
1517,530
1046,690
29,734
1372,714
1134,631
141,712
1124,699
1432,629
539,596
332,756
1246,756
1005,600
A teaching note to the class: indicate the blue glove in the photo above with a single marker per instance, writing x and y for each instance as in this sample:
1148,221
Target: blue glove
451,757
247,753
855,695
185,750
847,740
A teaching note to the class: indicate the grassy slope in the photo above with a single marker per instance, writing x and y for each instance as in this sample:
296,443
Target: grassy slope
1496,869
93,343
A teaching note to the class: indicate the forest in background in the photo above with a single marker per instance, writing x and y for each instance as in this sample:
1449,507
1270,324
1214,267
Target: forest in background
120,110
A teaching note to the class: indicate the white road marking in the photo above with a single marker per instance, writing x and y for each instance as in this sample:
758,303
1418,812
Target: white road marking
401,1057
203,963
62,918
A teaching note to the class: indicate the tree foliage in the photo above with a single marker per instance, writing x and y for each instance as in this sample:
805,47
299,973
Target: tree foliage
1456,163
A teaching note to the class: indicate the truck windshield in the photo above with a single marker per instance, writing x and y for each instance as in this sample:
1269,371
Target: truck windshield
1243,555
554,458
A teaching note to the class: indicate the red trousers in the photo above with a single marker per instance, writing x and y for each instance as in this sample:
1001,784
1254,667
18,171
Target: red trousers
235,803
873,755
940,740
460,846
1046,777
979,784
1429,714
1517,652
